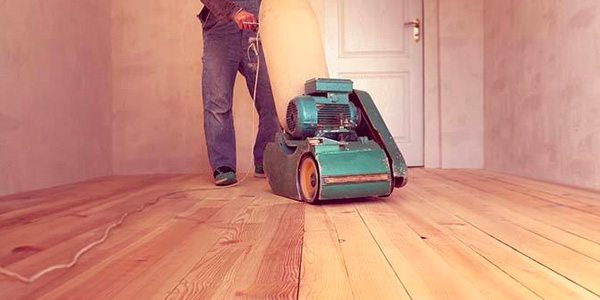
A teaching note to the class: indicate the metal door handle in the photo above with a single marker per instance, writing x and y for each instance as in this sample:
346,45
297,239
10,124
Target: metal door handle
416,25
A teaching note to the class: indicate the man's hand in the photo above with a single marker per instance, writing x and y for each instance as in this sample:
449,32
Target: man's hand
245,20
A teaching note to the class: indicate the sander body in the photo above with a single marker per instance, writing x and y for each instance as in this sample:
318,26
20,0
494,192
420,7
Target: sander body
335,146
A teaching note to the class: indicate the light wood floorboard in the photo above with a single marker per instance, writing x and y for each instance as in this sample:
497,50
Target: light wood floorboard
449,234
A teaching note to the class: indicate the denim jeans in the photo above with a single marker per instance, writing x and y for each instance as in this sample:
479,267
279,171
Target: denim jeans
225,54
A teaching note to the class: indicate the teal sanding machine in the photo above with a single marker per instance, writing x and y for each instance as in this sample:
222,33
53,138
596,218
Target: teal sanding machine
335,146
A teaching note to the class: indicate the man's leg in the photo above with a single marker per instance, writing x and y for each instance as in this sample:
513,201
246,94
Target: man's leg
220,65
265,105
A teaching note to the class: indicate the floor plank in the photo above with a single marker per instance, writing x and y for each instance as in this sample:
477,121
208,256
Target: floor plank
324,273
260,253
526,272
158,281
572,220
370,274
579,268
83,213
534,220
423,272
140,258
449,234
581,199
492,282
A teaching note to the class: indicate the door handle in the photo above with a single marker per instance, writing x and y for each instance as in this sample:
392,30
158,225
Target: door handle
416,25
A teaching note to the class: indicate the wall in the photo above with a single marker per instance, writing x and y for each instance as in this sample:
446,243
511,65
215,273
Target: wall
157,66
542,107
157,93
453,83
87,88
72,70
431,81
54,92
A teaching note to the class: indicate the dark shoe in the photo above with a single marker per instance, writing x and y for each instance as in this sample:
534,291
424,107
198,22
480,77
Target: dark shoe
259,172
224,176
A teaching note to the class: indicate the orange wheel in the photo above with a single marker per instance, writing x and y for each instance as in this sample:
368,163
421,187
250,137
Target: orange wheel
308,179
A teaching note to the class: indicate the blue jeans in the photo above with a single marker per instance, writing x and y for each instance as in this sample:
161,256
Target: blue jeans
224,55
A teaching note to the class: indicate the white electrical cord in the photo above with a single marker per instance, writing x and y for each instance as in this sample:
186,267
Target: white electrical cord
255,47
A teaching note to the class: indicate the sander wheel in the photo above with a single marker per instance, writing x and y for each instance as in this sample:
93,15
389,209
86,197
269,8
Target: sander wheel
308,179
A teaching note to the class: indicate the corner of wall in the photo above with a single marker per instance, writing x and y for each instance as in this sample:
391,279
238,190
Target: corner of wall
432,97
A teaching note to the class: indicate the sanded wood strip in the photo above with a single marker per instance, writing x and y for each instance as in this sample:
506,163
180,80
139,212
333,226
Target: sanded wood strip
424,273
370,274
324,273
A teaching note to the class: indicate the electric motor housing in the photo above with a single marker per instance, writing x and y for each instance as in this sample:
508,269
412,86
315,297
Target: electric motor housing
308,116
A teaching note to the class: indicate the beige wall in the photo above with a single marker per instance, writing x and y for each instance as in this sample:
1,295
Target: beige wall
54,92
157,93
542,90
453,83
431,79
70,67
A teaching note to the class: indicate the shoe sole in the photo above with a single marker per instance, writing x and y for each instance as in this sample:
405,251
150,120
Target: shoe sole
217,182
225,182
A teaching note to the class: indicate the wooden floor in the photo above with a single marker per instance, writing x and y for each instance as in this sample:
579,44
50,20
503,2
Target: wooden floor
459,234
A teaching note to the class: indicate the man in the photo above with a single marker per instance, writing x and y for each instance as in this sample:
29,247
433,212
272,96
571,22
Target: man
227,29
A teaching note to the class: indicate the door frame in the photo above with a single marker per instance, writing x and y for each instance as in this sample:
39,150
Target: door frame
431,84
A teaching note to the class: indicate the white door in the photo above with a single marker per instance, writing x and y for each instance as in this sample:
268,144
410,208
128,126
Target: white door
368,41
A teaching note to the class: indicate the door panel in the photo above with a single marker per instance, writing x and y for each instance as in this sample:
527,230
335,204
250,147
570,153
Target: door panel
367,41
359,18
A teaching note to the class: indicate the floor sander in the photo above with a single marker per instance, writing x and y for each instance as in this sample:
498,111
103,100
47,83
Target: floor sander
335,146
